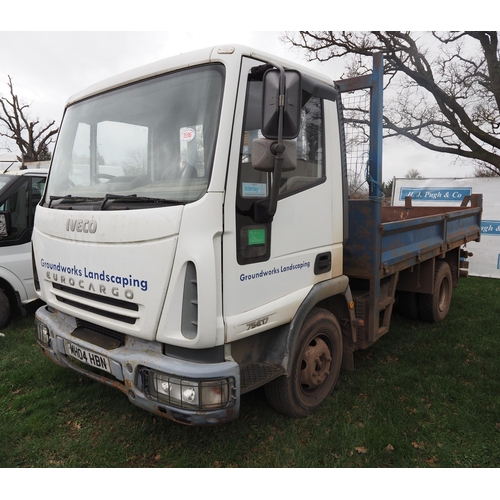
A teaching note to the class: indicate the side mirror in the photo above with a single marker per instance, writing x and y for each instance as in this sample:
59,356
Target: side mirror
4,224
292,106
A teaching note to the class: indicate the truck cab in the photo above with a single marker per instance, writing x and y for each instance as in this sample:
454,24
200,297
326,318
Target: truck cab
20,192
154,232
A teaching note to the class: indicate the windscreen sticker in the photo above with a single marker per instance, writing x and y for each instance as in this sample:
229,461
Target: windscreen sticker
254,190
187,134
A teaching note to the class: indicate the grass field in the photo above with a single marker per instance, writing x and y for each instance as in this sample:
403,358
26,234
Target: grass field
425,395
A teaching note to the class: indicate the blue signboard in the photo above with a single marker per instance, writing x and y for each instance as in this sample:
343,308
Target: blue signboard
490,227
437,194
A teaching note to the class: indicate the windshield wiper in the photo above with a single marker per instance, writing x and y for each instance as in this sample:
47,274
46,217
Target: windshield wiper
132,198
138,199
71,199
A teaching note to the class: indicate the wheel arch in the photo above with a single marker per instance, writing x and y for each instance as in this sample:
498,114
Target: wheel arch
269,354
334,296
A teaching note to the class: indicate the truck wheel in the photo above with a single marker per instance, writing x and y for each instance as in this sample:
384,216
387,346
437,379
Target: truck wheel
408,304
435,306
4,309
316,362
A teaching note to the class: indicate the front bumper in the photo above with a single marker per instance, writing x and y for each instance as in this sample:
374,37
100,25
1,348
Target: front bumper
126,363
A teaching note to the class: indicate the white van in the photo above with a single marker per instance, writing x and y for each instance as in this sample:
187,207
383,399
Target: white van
20,191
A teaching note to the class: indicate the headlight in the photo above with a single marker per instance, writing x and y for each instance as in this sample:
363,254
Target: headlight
42,333
189,394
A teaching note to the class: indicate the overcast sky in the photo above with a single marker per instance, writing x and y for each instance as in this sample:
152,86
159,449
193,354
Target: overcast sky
47,67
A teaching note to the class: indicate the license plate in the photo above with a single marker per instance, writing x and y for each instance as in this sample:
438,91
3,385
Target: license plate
88,357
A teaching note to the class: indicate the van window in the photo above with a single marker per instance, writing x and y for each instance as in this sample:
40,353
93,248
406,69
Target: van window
21,206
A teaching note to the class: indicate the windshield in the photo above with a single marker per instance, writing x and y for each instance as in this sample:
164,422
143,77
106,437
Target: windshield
145,143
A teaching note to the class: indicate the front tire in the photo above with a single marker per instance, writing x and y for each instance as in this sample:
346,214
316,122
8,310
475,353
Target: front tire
434,307
315,368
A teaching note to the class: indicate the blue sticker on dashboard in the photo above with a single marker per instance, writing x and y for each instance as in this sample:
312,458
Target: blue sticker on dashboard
254,190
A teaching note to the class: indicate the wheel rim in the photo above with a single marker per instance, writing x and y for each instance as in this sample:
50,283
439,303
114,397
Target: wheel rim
316,364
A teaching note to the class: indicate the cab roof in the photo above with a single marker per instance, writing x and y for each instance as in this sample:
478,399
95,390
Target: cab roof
227,54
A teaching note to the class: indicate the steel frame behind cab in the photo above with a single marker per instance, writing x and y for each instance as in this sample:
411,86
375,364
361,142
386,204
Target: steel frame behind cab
362,249
384,241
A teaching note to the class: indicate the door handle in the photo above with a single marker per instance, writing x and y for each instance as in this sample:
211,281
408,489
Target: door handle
323,263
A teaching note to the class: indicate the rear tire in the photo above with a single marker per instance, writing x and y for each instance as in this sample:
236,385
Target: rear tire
434,307
4,309
408,305
316,363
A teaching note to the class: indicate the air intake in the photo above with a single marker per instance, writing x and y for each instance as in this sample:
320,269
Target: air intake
189,325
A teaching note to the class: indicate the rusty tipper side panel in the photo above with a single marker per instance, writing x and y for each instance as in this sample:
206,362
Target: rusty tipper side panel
417,234
387,243
405,236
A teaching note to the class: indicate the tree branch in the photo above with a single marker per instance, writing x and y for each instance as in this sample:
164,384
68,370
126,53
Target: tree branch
459,110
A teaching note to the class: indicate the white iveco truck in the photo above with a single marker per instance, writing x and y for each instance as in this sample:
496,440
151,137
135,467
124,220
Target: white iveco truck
191,242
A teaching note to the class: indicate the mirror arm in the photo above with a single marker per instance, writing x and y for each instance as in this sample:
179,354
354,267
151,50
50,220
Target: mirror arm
278,148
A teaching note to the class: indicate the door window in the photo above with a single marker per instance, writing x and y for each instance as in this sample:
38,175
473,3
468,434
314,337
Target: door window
254,241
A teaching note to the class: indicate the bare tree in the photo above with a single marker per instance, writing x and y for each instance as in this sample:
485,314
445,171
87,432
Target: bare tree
447,85
32,139
413,173
483,171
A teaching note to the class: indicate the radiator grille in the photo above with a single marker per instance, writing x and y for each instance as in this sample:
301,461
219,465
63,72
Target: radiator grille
97,304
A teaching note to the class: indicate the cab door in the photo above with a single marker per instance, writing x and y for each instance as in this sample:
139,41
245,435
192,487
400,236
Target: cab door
269,267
